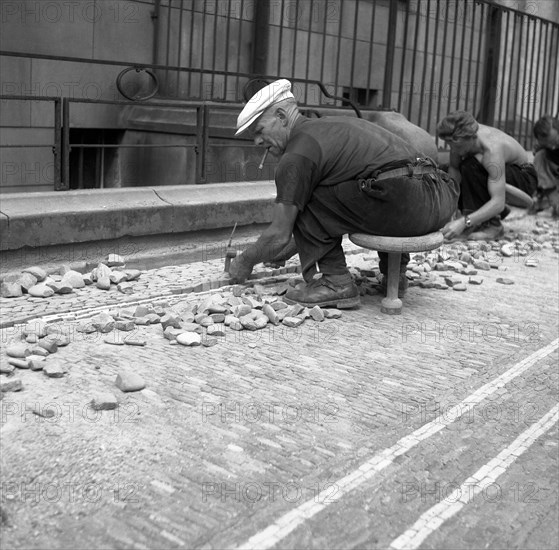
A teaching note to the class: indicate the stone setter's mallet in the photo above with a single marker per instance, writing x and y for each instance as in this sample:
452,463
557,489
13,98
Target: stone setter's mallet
230,253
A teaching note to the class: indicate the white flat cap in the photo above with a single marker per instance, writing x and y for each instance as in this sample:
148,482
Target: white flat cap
273,93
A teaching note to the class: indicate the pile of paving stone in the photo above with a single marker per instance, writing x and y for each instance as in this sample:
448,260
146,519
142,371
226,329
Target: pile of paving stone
460,264
186,323
36,282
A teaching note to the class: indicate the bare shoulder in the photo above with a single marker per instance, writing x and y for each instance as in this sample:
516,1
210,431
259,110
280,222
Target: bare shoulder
498,144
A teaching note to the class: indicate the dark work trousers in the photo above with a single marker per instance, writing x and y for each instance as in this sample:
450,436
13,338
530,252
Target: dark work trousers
473,187
396,207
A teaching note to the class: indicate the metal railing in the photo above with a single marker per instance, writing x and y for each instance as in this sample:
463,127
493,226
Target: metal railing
422,58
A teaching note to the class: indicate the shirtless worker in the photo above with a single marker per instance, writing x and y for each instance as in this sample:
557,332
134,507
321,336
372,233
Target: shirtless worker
546,162
490,167
337,175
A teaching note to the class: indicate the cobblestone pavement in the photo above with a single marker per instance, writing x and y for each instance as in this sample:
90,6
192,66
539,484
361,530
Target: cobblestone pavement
433,429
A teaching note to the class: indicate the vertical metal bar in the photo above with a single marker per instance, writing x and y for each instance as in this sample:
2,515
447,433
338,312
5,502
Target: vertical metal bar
203,57
554,85
413,62
168,50
481,31
425,50
215,42
353,49
227,30
461,65
432,83
57,149
199,144
491,69
191,46
280,39
512,77
324,32
504,68
307,72
452,56
537,81
545,70
470,57
443,50
65,144
524,61
390,47
370,59
156,31
80,164
517,77
340,31
239,41
179,73
532,89
295,32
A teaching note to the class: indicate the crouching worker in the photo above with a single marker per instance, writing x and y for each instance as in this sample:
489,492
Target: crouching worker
337,175
492,168
546,163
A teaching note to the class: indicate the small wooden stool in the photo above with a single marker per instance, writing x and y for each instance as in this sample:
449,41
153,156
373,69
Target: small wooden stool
395,246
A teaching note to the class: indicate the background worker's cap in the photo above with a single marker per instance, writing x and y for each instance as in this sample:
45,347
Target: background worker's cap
266,97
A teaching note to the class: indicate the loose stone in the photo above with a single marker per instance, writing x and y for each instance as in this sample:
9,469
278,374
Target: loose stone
292,322
482,264
271,314
125,326
27,281
36,362
104,401
189,339
332,313
49,345
129,381
18,363
134,341
316,314
102,322
475,280
215,330
504,281
39,273
118,277
74,279
36,327
54,371
18,350
103,283
13,384
113,260
459,287
41,290
10,290
6,368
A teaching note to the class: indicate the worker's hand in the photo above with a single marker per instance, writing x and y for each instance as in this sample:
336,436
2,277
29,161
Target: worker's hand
454,229
240,269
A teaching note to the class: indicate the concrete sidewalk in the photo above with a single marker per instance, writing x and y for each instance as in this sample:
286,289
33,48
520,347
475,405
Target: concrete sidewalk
58,218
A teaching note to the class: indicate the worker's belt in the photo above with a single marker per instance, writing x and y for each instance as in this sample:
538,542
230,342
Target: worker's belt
407,171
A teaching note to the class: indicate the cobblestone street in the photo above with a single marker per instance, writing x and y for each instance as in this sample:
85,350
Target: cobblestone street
436,428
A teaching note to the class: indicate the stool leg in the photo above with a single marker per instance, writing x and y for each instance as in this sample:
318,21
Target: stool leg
392,305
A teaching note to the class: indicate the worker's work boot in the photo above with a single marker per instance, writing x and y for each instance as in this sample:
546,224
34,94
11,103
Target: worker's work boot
403,284
327,291
491,230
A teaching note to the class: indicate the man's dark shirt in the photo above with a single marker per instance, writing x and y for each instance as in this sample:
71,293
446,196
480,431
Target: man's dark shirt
552,155
332,150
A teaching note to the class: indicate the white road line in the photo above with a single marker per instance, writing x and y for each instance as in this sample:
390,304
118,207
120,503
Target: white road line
433,518
271,535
